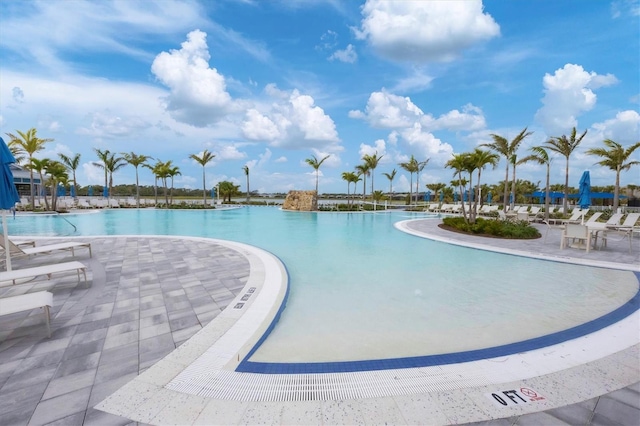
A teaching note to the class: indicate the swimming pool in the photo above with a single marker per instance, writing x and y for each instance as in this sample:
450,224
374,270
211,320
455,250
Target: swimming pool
362,290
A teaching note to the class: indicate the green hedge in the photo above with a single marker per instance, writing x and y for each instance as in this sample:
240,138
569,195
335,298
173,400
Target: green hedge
494,228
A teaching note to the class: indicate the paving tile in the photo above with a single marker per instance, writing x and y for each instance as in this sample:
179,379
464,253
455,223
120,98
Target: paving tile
75,365
111,369
83,349
29,378
121,339
21,399
17,415
60,407
70,383
618,411
76,419
100,418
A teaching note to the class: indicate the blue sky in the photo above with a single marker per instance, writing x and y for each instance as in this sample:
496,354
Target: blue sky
270,83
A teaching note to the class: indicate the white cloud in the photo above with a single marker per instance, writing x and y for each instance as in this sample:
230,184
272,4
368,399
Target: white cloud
347,55
420,31
198,93
425,145
567,94
378,147
106,124
229,152
292,121
470,119
417,81
386,110
92,175
624,128
282,159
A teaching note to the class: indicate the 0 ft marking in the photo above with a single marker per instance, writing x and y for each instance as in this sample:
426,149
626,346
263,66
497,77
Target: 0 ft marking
515,397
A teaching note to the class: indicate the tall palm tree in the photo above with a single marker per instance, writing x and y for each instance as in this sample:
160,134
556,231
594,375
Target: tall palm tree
245,168
480,159
410,166
421,166
28,143
541,156
157,170
349,177
57,175
136,161
436,188
313,162
565,146
112,165
461,163
364,171
372,161
507,149
103,156
40,166
172,172
203,159
391,176
72,164
615,157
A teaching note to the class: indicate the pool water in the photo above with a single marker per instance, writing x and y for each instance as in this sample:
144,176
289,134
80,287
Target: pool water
361,289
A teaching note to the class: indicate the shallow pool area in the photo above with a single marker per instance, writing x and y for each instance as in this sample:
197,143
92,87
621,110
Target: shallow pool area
362,290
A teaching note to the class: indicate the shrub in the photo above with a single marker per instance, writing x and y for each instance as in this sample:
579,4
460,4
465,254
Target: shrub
493,227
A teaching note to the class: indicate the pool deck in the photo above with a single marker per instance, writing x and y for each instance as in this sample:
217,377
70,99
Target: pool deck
131,345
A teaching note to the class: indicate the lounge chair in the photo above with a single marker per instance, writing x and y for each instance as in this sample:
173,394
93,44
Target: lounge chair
28,302
16,249
8,278
622,231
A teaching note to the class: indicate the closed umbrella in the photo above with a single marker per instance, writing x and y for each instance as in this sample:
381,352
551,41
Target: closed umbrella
8,193
427,196
489,197
72,191
61,191
584,194
90,191
105,192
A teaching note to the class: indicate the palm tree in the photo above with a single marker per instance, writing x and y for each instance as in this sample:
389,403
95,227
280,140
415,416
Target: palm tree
57,175
103,156
461,163
313,162
350,177
421,166
541,156
480,159
228,190
390,176
136,160
245,168
203,159
364,171
72,164
410,166
615,157
28,143
157,170
565,146
172,172
436,188
40,166
507,149
112,165
372,161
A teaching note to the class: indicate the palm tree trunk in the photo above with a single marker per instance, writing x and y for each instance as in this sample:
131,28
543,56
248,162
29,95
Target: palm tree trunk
565,202
204,189
547,199
616,191
505,199
513,189
137,189
410,187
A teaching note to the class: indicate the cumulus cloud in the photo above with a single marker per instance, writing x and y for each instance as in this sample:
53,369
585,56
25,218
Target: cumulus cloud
292,120
424,144
567,94
229,152
198,94
347,55
379,147
417,81
420,31
470,119
388,111
107,125
282,159
624,128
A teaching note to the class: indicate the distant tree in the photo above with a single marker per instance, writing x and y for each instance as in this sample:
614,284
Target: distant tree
436,188
245,168
421,166
565,146
541,156
40,166
363,170
103,156
228,190
72,164
350,177
479,159
461,163
136,161
372,162
615,157
410,166
313,162
112,165
203,159
57,175
507,149
28,143
391,176
378,196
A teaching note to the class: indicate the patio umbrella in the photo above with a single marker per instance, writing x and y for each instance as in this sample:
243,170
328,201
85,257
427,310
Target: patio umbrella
61,191
72,191
427,196
489,197
105,192
455,197
8,193
90,191
584,199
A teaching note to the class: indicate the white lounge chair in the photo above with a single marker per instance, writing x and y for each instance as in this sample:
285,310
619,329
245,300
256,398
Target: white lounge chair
27,302
622,231
15,249
8,278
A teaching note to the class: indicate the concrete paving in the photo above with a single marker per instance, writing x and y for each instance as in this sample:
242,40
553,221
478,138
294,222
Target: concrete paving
149,295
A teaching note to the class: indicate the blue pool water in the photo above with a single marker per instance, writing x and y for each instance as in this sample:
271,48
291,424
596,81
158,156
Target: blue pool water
361,289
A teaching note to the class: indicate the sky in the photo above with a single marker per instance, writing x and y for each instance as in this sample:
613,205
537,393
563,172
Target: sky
269,84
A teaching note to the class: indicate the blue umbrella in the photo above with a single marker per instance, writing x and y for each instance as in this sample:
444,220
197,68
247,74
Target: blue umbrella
105,192
465,195
511,198
584,194
72,191
8,193
90,191
455,197
427,196
489,197
213,193
61,191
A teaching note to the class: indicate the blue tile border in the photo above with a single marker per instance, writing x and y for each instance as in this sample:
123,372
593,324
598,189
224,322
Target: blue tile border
589,327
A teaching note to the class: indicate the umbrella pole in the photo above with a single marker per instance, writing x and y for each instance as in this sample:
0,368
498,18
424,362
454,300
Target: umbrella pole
7,249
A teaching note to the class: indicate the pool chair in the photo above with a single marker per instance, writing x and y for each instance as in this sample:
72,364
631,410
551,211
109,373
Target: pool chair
578,234
16,249
622,231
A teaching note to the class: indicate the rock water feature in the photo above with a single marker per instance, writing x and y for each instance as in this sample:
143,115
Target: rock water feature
303,201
